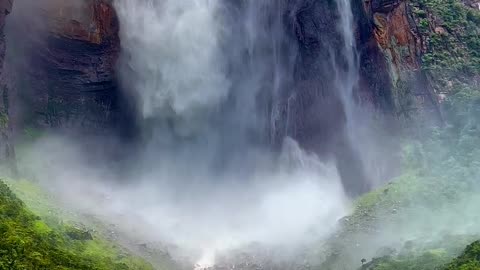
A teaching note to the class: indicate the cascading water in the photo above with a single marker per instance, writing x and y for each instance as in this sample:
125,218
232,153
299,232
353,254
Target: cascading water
216,80
348,78
360,125
173,50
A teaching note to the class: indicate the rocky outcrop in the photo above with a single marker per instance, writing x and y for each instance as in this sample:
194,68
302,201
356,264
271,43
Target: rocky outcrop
68,63
396,34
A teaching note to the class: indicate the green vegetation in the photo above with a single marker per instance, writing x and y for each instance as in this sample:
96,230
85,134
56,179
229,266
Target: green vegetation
436,197
451,33
441,166
469,260
429,260
28,242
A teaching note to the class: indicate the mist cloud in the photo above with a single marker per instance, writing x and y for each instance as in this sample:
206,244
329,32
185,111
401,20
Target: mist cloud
298,201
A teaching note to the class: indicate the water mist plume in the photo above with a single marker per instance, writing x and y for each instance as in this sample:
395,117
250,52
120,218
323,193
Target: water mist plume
284,204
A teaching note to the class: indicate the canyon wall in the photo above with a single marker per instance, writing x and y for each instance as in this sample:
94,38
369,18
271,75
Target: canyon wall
396,34
75,45
63,73
65,67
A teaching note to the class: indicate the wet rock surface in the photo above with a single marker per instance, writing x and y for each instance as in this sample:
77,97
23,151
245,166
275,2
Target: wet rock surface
67,64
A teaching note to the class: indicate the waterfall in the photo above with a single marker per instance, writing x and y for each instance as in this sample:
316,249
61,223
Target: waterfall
173,58
211,77
366,143
348,79
208,68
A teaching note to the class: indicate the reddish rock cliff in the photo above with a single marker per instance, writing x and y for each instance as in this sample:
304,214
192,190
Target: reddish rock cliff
69,62
396,34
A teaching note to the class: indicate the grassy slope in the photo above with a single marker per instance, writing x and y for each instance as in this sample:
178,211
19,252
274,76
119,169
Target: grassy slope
29,242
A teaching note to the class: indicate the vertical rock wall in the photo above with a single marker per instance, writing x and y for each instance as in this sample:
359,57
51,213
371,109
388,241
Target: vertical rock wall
65,67
396,34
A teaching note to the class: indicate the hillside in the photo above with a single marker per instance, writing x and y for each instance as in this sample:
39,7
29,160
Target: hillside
29,242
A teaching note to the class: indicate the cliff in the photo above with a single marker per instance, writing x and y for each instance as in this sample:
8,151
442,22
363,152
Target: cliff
410,55
67,63
397,36
75,45
430,49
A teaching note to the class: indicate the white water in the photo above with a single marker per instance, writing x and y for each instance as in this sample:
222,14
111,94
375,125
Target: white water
174,59
348,79
368,142
200,69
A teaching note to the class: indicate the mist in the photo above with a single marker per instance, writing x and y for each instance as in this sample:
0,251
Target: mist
218,167
204,180
282,203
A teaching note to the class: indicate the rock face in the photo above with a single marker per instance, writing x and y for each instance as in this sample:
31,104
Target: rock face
390,78
315,106
74,47
64,69
6,149
396,34
67,63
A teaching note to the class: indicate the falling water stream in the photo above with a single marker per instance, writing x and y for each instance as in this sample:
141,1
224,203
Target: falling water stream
349,78
211,78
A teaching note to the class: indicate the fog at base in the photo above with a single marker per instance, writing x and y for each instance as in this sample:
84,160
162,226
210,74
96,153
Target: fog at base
284,204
